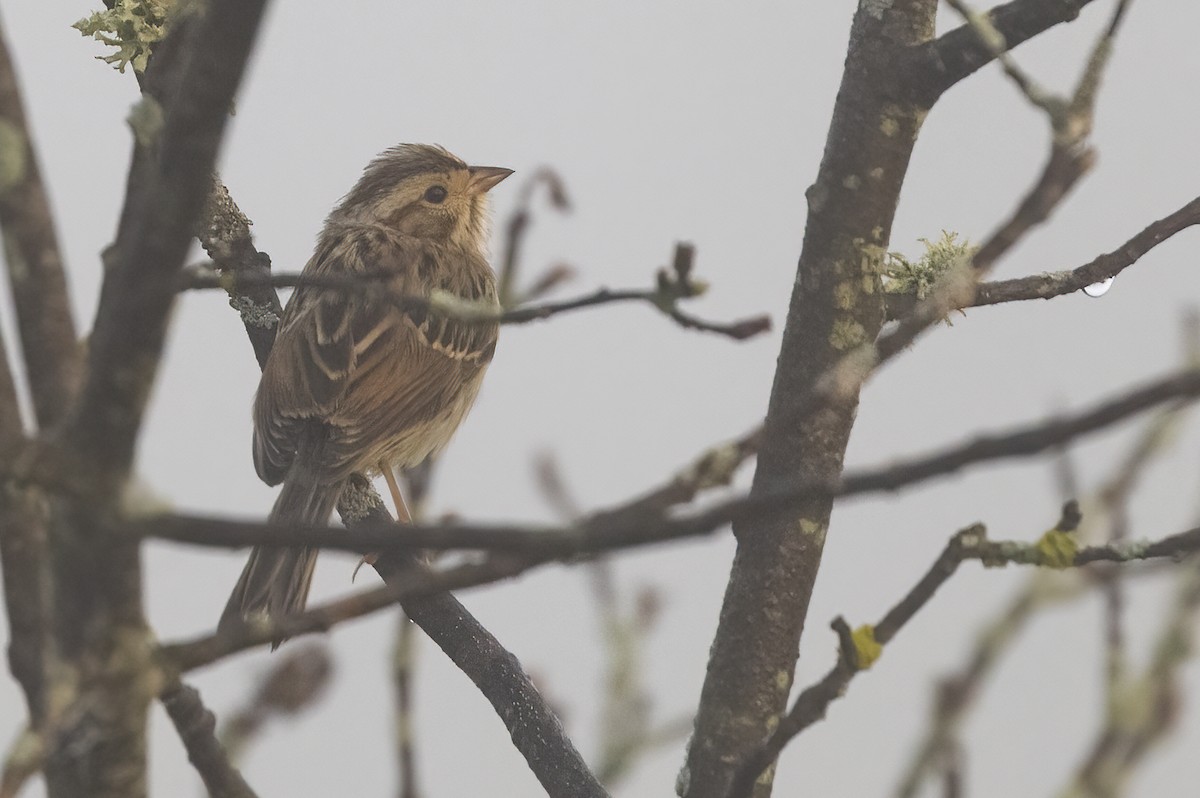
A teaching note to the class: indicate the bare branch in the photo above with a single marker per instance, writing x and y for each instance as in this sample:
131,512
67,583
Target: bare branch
1049,285
671,289
23,562
157,226
295,682
518,227
35,267
25,758
195,725
97,579
953,56
225,235
637,523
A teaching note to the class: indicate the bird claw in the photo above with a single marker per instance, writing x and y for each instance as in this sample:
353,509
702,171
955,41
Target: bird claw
367,559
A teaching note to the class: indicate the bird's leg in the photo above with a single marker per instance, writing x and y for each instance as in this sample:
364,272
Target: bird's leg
402,513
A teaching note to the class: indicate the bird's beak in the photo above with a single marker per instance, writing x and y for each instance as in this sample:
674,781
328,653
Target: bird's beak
485,178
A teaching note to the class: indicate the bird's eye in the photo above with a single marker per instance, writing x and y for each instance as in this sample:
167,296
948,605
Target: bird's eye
435,194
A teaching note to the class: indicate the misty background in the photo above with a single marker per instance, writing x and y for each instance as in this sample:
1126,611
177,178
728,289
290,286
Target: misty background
668,121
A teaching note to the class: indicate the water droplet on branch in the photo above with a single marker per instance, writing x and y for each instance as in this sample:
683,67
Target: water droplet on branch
1098,289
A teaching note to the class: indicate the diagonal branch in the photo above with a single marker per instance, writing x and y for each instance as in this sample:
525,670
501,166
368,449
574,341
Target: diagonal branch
35,267
165,198
196,727
1053,284
957,54
535,730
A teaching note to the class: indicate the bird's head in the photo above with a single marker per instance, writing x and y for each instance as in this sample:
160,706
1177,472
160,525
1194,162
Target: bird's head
424,191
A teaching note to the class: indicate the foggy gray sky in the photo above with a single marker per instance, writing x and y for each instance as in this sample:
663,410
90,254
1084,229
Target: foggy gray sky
705,122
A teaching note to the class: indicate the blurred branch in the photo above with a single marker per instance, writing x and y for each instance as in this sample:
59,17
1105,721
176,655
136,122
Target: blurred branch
959,53
294,683
956,693
625,727
1143,710
99,621
418,582
404,660
35,268
620,527
1049,285
673,286
23,565
195,725
860,648
24,759
518,227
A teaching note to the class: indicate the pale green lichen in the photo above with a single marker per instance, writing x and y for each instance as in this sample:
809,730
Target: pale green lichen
904,276
358,500
851,182
133,27
889,126
812,529
146,120
866,648
13,155
875,8
253,314
844,295
783,681
1057,549
847,334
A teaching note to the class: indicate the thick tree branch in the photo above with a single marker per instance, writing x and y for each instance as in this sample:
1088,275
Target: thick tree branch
196,727
164,201
35,267
957,54
99,622
836,305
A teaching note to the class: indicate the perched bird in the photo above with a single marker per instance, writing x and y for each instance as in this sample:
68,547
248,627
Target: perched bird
356,381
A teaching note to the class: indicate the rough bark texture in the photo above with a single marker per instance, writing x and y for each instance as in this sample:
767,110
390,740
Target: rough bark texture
836,306
100,629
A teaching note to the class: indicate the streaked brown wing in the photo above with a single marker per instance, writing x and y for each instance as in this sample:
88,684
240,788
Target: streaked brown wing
359,362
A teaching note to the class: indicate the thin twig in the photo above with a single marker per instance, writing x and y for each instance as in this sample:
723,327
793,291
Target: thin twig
204,650
664,298
1049,285
518,227
629,525
970,543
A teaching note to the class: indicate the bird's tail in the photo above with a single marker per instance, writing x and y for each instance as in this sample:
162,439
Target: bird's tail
275,581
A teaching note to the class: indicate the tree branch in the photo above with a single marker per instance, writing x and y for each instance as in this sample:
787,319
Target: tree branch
858,651
196,725
939,64
99,622
637,522
1053,284
836,305
665,297
35,267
